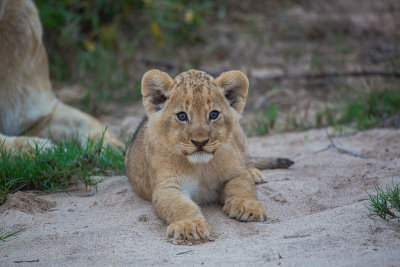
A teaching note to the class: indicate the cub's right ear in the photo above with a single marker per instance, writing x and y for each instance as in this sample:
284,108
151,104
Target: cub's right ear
155,86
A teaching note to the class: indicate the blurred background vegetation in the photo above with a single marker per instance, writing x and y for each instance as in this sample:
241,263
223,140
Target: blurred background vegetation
92,42
99,50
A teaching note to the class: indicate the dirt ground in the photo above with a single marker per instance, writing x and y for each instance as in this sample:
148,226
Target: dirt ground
318,215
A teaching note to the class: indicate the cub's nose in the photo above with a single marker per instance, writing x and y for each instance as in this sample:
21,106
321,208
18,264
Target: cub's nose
199,144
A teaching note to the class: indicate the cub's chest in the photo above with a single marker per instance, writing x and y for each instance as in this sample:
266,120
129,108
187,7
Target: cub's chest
203,186
201,192
204,183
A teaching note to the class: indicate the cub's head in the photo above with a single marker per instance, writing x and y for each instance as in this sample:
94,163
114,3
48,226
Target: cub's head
194,113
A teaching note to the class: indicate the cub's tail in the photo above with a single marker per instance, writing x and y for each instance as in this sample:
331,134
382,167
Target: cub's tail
272,163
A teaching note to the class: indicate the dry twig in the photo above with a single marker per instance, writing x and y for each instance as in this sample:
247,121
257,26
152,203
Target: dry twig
333,74
338,148
289,76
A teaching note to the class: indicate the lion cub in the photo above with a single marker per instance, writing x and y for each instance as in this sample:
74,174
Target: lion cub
191,149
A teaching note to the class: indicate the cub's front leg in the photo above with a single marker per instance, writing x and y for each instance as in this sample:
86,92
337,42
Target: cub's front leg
183,216
240,200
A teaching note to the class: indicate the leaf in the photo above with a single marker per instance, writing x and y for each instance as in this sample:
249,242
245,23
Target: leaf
189,16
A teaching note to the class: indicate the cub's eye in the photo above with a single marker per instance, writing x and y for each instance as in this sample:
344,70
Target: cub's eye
182,116
213,115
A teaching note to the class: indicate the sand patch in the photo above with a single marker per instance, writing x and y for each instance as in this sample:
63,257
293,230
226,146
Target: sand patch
317,212
26,202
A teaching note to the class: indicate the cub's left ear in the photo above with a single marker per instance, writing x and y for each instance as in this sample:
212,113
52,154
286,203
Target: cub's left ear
235,86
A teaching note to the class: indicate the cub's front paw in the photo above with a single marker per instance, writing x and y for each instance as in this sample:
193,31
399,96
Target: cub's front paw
189,229
256,174
246,210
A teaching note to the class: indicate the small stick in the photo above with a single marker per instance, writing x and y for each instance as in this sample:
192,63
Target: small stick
184,252
320,150
289,76
26,261
338,148
343,150
322,75
163,63
383,58
349,152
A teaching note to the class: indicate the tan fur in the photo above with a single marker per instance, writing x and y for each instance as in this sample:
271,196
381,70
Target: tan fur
158,160
27,102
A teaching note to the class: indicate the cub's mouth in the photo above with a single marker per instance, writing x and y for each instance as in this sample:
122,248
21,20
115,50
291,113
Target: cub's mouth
200,157
199,154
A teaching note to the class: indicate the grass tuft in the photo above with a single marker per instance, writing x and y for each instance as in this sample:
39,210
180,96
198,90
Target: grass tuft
377,108
4,236
265,122
57,167
372,109
384,203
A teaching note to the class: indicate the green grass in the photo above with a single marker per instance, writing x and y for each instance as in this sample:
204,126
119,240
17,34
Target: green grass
104,79
58,167
371,109
364,111
265,122
385,203
4,237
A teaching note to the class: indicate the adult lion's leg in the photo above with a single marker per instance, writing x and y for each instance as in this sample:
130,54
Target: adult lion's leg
25,89
24,143
68,123
27,102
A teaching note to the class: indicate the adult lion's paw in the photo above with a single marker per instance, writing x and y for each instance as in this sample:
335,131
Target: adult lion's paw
189,229
29,143
256,174
246,210
113,141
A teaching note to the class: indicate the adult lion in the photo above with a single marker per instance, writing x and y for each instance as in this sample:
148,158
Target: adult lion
28,105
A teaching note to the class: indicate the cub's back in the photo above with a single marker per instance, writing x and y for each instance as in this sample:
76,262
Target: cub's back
136,162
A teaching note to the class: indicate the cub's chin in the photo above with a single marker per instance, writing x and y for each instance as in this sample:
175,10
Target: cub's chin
199,157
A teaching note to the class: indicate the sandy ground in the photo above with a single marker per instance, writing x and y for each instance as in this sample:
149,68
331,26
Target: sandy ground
317,215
